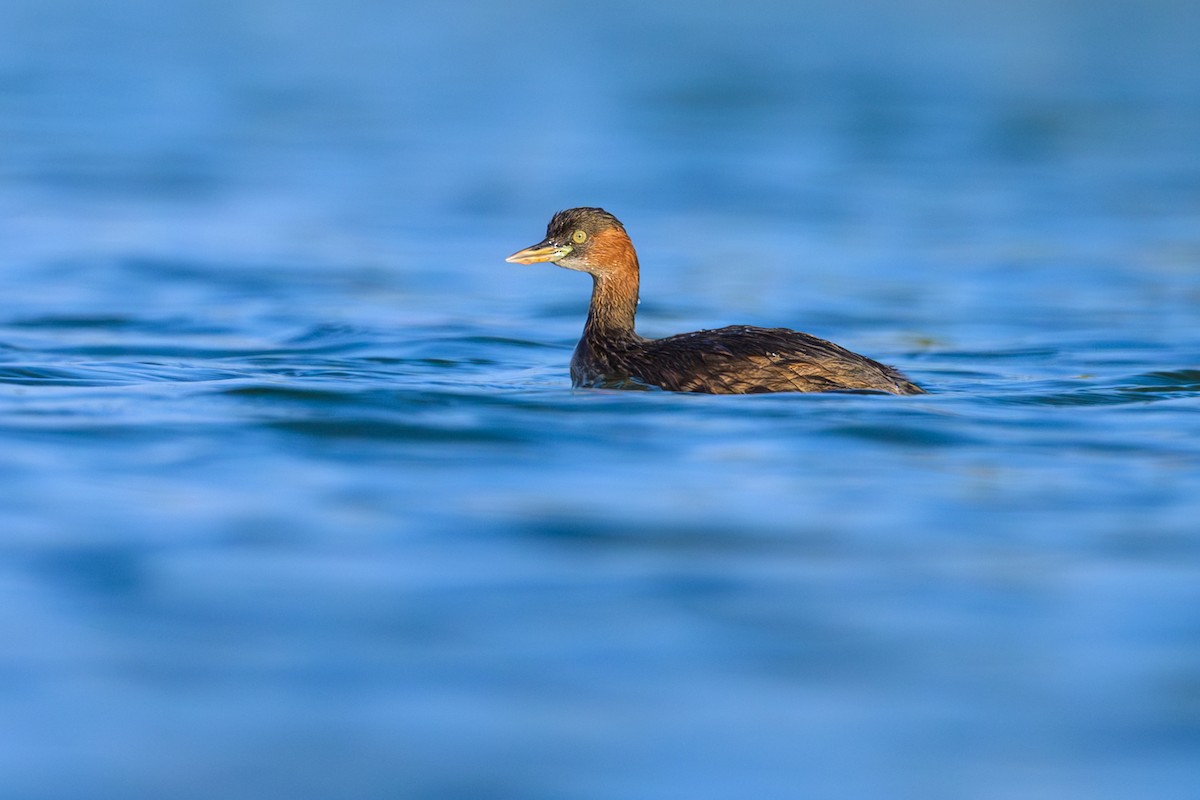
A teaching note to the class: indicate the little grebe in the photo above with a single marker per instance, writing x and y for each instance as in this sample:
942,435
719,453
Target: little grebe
734,360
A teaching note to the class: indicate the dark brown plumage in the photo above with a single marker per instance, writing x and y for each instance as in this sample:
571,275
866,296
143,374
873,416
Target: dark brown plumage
736,360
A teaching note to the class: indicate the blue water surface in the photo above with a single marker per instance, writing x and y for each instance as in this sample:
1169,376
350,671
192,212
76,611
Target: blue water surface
296,499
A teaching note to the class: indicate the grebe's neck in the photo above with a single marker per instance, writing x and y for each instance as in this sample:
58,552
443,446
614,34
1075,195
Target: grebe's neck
614,304
614,286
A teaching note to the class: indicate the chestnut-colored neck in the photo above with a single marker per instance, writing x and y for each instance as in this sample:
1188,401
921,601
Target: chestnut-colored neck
614,285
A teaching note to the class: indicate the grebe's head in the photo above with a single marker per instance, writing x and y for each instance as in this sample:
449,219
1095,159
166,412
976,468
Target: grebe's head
587,239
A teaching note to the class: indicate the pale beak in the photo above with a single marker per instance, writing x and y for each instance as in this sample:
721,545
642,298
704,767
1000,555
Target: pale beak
542,251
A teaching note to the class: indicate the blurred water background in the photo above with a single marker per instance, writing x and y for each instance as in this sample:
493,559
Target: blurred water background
296,499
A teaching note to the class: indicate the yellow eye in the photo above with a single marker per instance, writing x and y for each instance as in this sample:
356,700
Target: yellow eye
579,237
